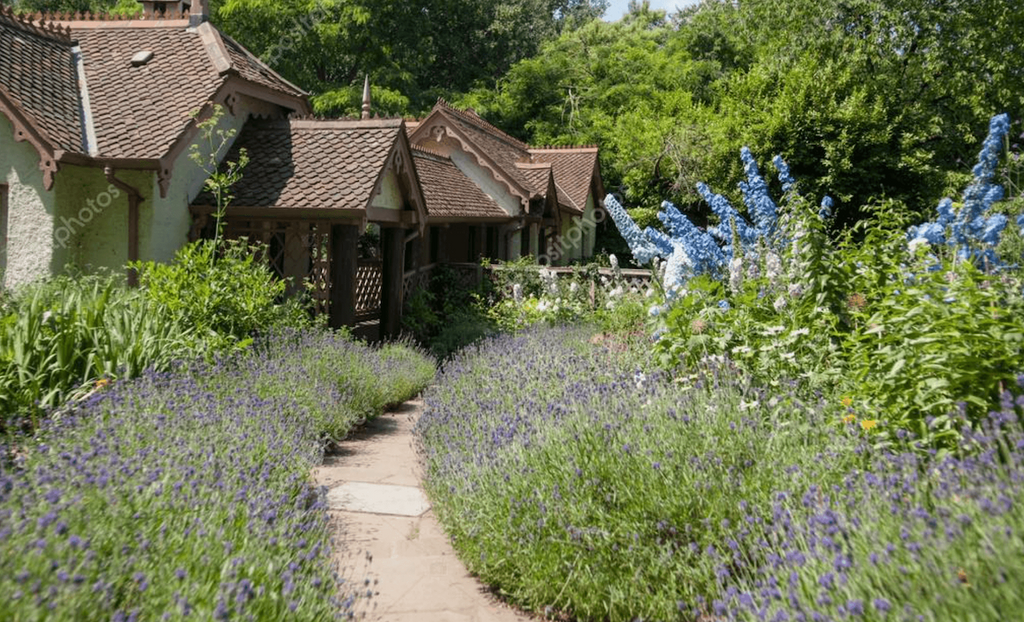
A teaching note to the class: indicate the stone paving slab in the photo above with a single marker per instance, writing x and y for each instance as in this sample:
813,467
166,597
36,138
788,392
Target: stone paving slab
405,555
378,499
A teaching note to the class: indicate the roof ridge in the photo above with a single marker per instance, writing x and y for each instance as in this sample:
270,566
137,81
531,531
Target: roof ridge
563,147
49,29
471,116
172,14
430,152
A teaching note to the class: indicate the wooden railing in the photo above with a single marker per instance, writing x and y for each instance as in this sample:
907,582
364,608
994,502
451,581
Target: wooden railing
369,286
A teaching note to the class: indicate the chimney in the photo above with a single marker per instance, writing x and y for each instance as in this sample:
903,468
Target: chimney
199,13
366,97
161,9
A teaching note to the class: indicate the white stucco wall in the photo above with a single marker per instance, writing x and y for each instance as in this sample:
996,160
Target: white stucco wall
91,224
485,181
30,249
164,223
390,196
83,219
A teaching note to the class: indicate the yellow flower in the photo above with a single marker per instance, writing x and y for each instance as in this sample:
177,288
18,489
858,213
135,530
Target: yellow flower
847,401
850,418
102,382
867,424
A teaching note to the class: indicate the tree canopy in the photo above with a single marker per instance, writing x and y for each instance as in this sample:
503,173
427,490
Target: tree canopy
864,98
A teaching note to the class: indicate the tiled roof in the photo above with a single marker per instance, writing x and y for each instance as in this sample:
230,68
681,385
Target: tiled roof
254,70
505,150
138,112
536,176
311,164
574,170
573,167
38,70
449,193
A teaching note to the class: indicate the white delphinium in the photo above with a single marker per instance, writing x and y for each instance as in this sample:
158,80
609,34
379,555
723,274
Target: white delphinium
517,293
795,290
772,267
780,304
574,287
736,274
614,261
917,243
615,293
650,293
543,305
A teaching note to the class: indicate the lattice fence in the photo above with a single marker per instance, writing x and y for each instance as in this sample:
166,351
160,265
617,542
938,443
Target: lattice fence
292,248
369,287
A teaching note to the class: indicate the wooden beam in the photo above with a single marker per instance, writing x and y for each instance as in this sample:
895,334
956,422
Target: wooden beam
344,262
392,296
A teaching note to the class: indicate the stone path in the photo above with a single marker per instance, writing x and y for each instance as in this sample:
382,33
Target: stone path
387,532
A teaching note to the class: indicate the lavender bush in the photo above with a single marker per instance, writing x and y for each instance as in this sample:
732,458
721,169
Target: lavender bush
573,478
580,484
186,494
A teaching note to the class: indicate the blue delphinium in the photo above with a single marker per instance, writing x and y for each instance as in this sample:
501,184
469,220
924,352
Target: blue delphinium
760,205
971,233
643,249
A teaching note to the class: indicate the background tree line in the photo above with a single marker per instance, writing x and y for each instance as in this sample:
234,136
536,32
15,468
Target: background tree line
866,99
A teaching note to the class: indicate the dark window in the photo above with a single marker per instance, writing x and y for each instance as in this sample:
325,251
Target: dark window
435,242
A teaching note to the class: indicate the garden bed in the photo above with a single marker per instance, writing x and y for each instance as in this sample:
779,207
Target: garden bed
187,493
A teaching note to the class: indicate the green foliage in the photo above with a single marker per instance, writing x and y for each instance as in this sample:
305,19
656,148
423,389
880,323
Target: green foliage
927,335
59,337
867,99
902,339
222,290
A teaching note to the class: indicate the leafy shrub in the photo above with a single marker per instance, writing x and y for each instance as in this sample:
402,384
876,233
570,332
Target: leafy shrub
906,332
222,290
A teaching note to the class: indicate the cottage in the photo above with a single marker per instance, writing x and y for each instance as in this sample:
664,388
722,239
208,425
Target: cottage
98,116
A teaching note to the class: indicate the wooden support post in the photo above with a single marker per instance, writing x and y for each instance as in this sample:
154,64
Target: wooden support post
535,240
344,263
392,297
480,232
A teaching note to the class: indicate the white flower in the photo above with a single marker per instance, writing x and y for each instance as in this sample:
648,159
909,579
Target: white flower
517,293
795,290
917,243
649,293
774,330
780,304
735,274
801,331
741,350
615,293
574,287
640,378
543,305
749,405
654,311
772,267
614,261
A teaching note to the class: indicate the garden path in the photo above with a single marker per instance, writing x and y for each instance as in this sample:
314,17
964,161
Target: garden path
390,534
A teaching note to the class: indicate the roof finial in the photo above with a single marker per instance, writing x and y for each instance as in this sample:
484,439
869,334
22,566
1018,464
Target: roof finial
366,97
